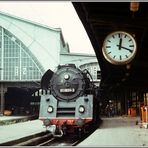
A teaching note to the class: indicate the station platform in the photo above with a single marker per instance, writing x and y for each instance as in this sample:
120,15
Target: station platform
6,120
115,131
18,130
118,131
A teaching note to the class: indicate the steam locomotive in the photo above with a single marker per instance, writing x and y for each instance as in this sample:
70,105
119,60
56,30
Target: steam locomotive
73,102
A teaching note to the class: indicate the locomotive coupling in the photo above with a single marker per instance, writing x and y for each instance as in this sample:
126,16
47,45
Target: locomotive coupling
58,132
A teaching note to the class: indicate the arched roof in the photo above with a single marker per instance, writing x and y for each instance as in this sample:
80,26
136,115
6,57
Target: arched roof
44,42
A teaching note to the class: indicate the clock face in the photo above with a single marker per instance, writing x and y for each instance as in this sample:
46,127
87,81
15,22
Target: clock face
119,48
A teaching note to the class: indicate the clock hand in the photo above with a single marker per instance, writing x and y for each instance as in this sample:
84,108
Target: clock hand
126,48
120,43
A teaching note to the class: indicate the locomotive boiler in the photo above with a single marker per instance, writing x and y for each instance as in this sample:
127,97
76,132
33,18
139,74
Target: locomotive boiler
72,104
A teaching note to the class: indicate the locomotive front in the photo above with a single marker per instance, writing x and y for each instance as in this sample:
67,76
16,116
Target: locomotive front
68,83
70,102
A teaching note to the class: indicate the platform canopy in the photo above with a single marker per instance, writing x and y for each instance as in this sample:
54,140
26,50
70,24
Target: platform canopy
100,19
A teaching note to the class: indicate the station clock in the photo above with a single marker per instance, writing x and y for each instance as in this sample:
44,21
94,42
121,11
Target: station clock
119,48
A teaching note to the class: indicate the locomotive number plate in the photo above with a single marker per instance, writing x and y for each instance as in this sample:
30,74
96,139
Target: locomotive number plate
67,90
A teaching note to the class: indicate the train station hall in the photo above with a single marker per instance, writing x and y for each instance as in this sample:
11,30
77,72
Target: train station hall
28,50
51,96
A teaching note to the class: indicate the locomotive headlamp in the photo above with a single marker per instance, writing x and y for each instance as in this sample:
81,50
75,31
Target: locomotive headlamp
81,109
66,76
50,109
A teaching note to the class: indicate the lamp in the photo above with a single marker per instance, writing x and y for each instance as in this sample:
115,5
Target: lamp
134,6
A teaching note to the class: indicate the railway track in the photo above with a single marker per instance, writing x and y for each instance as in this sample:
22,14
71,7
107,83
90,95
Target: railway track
29,140
69,140
64,141
43,139
47,139
36,140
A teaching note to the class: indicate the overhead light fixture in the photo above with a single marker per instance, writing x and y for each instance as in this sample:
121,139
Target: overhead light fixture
134,6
